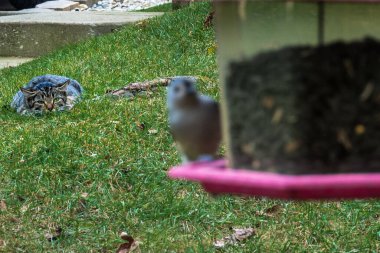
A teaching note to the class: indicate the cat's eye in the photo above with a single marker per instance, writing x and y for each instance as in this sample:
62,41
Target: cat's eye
57,99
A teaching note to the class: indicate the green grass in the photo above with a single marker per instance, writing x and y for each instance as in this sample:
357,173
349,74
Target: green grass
47,162
160,8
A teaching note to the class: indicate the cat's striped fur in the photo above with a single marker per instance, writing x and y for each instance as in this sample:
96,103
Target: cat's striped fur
47,93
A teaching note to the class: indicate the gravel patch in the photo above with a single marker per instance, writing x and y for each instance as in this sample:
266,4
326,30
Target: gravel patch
121,5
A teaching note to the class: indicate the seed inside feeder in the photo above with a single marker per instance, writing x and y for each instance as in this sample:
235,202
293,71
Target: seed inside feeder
307,109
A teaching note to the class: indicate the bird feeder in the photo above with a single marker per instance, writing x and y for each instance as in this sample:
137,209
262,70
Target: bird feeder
300,84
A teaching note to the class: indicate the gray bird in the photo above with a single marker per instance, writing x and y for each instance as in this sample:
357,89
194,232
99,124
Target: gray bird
194,120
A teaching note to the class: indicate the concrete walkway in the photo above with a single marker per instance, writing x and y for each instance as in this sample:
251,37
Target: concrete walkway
31,34
6,62
79,18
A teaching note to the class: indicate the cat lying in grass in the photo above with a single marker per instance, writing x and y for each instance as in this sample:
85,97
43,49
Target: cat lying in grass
47,93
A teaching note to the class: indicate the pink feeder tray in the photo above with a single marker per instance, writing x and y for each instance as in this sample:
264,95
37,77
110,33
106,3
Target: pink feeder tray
216,178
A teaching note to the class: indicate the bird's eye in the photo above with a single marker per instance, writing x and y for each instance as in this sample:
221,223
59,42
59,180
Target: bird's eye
187,84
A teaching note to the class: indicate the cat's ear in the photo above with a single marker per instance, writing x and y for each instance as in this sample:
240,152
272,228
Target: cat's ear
63,86
28,92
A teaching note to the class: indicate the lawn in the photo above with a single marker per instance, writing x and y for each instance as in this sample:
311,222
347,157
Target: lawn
94,172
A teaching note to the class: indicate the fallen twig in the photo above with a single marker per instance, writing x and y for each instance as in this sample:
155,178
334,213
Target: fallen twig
133,88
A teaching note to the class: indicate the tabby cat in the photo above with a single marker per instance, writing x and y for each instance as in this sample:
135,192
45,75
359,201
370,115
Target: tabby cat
47,93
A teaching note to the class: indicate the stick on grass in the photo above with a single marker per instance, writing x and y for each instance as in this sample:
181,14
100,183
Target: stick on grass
136,87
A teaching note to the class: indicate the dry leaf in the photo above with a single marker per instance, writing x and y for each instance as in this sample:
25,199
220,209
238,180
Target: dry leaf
128,246
243,233
152,131
239,235
209,19
54,235
13,219
3,205
141,126
2,243
271,211
50,237
84,195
